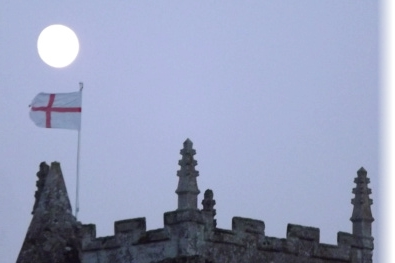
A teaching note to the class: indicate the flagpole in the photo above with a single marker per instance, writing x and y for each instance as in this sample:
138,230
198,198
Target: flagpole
77,203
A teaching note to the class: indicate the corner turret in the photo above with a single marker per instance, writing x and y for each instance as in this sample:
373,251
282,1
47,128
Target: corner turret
53,232
187,189
362,215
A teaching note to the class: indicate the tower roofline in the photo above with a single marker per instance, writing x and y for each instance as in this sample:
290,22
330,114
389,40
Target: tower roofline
189,234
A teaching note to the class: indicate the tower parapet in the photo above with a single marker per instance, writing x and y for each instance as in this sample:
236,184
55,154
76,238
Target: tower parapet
189,234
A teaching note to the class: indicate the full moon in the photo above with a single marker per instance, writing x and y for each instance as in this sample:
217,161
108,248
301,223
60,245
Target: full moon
58,46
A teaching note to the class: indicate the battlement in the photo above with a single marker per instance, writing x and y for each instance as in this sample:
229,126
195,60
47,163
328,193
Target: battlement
300,241
189,234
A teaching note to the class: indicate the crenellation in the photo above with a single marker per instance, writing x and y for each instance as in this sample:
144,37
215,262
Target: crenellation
189,234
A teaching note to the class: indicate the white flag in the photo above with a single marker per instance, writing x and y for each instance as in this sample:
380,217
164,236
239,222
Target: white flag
61,110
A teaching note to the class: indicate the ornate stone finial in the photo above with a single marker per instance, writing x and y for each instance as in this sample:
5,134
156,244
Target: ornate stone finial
208,205
208,202
362,215
187,189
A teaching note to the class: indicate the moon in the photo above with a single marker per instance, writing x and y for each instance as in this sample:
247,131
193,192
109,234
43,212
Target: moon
58,46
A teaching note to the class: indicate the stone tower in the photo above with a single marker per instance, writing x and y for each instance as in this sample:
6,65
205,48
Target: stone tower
189,234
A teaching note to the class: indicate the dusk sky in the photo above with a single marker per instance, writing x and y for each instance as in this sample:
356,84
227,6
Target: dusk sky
280,99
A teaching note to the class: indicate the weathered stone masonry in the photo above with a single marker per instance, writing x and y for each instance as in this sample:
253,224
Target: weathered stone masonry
189,234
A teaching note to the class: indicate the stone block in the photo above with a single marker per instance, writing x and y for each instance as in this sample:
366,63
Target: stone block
224,236
102,243
88,231
135,225
325,251
303,232
179,216
156,235
274,244
248,225
345,239
355,241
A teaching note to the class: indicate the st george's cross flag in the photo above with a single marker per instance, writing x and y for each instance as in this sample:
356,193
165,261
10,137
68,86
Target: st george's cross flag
60,110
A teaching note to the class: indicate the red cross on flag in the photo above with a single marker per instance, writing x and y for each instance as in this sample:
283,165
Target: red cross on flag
60,110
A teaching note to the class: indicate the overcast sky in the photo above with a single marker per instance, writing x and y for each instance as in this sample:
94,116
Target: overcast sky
280,98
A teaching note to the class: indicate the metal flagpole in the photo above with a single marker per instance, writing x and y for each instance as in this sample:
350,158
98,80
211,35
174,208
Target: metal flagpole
77,203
